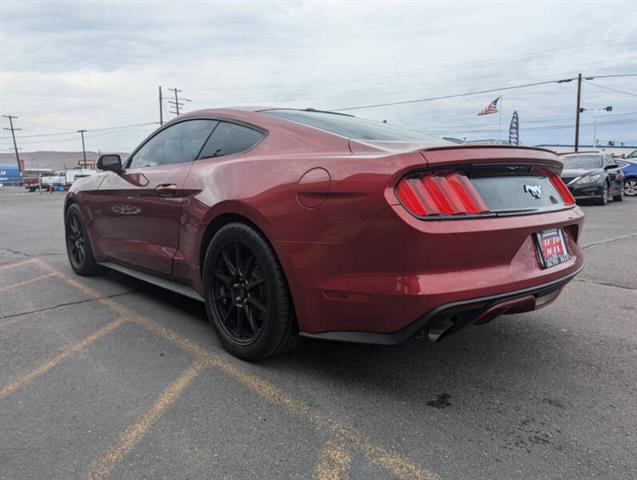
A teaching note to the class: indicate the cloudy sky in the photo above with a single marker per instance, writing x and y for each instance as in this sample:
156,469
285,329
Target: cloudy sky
97,65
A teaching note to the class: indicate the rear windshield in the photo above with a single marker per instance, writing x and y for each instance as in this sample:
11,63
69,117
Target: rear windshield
582,161
353,127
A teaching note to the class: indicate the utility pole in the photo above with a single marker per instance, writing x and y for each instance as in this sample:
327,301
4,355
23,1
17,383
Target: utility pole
81,132
578,111
161,107
15,145
177,102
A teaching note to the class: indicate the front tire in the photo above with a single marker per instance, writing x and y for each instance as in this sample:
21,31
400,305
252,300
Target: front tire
246,294
604,198
78,246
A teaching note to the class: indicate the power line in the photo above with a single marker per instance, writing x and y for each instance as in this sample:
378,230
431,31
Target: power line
544,127
612,89
478,92
443,97
87,130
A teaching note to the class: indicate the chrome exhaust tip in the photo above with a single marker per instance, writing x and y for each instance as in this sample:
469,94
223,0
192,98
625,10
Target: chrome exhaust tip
440,327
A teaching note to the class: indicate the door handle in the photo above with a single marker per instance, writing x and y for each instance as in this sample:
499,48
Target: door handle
166,189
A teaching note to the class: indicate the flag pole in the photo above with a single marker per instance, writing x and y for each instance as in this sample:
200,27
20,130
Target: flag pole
500,121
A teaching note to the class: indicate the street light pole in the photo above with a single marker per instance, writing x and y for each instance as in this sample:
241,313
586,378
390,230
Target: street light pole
608,108
594,128
579,98
81,132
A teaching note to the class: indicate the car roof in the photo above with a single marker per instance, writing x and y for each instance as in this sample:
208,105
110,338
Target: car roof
253,115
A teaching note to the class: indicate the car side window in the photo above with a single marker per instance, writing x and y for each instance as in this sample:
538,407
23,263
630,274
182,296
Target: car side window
178,143
229,138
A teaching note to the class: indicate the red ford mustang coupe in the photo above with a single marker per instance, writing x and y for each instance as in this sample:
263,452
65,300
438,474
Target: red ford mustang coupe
303,223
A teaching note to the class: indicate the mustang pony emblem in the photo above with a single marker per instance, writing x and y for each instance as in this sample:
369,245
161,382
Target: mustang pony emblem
535,190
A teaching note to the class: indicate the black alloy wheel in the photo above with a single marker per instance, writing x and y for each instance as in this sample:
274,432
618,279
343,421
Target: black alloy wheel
239,296
246,294
78,246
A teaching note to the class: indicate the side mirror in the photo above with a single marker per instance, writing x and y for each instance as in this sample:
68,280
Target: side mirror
611,166
110,163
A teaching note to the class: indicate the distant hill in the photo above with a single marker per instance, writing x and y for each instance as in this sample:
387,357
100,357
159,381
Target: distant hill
53,160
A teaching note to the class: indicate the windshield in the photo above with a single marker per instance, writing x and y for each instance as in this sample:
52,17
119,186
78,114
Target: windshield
582,161
353,127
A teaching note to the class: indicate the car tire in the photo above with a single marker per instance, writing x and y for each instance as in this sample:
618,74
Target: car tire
604,198
630,187
78,245
246,294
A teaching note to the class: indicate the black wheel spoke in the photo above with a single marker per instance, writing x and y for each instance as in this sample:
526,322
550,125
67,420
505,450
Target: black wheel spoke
221,296
255,283
239,320
232,270
250,318
228,311
224,278
249,266
237,259
257,304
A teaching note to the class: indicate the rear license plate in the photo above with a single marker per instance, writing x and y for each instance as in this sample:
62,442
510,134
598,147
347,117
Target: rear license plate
552,247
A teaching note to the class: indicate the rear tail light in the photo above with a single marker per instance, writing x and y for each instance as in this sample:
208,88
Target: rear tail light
441,194
563,190
452,193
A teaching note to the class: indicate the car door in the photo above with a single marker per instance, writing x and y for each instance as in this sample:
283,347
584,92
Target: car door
137,214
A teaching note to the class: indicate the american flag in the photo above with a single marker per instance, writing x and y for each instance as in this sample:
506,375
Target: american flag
491,108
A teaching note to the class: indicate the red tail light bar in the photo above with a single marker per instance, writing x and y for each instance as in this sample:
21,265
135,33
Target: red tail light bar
561,187
453,194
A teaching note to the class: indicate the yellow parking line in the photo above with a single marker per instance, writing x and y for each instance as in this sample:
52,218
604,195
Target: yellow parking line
334,460
395,463
17,264
103,467
398,465
26,282
69,350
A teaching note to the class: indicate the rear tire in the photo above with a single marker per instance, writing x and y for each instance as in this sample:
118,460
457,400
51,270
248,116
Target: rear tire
630,187
78,245
246,294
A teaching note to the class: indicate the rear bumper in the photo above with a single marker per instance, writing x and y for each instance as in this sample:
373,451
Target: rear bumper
399,272
477,310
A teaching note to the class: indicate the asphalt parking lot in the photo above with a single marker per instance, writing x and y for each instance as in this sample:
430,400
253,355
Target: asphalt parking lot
107,377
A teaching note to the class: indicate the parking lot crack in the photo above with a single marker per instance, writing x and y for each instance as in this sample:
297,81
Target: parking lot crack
609,240
66,304
30,255
606,284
